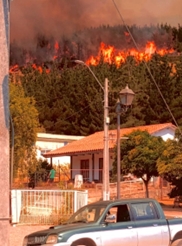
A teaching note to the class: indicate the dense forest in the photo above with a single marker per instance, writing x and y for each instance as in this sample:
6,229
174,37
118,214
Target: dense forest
67,96
83,44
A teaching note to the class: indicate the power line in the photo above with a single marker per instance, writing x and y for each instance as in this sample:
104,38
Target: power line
148,69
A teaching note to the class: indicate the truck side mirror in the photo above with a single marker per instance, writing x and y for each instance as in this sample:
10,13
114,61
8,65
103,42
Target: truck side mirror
111,218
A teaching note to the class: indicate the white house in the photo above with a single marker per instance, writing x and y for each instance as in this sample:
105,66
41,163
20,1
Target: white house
86,154
48,142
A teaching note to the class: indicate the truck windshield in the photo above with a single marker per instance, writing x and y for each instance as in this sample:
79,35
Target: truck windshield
88,214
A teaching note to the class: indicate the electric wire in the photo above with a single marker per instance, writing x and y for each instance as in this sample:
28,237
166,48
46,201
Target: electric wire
147,67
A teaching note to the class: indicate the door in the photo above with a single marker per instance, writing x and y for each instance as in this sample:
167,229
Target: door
84,169
149,228
122,231
100,170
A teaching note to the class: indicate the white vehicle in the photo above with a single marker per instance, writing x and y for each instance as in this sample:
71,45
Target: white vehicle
127,222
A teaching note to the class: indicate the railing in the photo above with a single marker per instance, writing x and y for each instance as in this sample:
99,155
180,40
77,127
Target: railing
45,206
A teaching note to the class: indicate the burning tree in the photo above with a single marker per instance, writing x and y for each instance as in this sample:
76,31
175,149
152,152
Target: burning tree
64,91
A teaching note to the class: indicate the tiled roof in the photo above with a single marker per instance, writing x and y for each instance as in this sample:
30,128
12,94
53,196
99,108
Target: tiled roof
95,142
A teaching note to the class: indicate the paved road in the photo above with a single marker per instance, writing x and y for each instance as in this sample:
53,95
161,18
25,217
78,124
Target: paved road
18,232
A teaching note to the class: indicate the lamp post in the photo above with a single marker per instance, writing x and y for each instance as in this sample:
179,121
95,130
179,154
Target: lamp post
124,102
106,195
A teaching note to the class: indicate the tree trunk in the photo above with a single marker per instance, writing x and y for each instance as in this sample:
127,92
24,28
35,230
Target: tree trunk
146,188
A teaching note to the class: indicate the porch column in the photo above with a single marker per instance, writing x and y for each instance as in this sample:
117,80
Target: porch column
71,167
93,166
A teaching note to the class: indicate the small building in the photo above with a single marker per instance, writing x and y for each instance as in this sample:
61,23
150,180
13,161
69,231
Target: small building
48,142
86,154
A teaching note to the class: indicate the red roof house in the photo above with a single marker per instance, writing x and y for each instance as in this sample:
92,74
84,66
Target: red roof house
87,153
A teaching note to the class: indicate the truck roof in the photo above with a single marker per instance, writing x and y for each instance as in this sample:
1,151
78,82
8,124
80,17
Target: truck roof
127,200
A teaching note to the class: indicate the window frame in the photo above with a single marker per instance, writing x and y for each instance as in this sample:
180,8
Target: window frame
145,217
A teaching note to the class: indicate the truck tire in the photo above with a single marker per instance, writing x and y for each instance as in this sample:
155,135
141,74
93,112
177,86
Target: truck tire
83,242
177,243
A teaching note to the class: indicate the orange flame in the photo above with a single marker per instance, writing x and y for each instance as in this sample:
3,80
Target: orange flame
126,34
56,50
110,55
14,69
39,68
56,46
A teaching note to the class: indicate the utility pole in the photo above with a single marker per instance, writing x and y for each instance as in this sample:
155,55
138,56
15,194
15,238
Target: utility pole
118,111
4,123
106,194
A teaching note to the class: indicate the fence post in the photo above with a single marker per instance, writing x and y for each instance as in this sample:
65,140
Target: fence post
86,197
75,200
15,205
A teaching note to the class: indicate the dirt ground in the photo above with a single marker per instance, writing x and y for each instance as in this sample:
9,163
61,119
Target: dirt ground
18,232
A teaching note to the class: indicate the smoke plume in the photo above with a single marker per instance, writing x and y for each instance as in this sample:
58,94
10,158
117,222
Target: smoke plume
63,17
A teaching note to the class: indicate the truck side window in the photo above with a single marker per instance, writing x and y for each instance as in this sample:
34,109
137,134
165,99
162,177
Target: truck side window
143,211
123,213
120,212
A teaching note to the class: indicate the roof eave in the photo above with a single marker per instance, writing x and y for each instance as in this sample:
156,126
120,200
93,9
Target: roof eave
72,153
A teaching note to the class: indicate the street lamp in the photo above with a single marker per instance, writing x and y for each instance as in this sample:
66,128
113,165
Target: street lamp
106,195
124,102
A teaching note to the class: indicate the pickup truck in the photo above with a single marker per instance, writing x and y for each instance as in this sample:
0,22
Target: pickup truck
126,222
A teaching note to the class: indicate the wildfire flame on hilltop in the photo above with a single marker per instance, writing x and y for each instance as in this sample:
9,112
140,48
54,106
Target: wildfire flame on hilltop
111,55
30,60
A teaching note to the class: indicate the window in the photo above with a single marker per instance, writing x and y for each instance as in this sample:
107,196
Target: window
87,214
143,211
120,213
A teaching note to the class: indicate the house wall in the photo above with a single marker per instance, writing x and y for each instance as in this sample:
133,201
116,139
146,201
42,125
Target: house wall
167,133
45,146
49,145
93,162
47,142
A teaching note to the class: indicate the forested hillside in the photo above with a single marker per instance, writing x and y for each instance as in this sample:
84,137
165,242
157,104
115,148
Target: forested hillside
68,98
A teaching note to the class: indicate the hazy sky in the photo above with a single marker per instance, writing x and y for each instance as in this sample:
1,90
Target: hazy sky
56,17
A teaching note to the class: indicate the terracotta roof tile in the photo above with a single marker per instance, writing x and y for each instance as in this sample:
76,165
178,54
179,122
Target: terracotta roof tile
95,142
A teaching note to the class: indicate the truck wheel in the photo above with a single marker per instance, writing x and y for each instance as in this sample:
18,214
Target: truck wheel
177,243
83,242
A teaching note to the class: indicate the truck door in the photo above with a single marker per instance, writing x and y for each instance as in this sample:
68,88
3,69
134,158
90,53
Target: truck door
149,228
121,231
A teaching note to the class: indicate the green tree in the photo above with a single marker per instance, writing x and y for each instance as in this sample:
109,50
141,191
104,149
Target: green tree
25,122
70,101
169,164
139,154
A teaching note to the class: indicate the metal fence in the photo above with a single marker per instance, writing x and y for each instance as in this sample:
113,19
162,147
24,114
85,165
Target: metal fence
45,206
